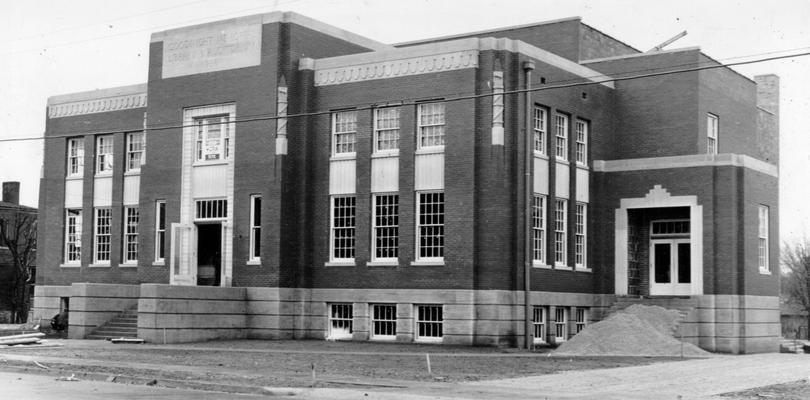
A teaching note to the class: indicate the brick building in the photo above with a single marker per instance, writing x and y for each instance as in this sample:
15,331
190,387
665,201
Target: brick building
332,186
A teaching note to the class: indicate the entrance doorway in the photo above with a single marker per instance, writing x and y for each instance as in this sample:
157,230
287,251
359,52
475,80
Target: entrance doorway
209,254
670,267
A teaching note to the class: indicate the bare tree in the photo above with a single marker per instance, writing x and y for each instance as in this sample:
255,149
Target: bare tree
796,275
18,232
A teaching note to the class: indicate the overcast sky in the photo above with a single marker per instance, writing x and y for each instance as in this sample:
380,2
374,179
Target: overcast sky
57,47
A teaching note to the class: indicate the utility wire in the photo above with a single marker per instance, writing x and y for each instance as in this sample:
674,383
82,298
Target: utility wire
413,102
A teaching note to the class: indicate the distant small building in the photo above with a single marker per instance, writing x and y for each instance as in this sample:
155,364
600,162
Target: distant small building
794,321
9,206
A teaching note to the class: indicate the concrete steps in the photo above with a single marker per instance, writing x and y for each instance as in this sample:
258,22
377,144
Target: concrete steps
123,325
796,346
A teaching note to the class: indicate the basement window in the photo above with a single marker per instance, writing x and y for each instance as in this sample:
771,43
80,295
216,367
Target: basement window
560,324
384,322
429,323
539,324
581,319
340,321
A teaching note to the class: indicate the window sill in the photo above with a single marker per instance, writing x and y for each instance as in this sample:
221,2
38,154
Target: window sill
537,264
764,271
77,265
199,163
428,340
133,172
257,261
540,155
385,154
339,264
392,263
563,267
562,161
98,265
427,263
160,263
128,265
583,166
343,157
383,338
76,177
105,174
583,269
430,150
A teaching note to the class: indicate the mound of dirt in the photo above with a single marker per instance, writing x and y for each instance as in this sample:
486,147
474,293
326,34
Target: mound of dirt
630,334
660,318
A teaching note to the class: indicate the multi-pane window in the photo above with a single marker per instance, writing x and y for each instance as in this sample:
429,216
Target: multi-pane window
136,147
582,142
764,264
160,230
712,129
343,228
104,154
430,225
73,236
386,129
131,217
540,130
538,228
429,322
75,161
561,130
213,138
560,244
384,321
255,227
580,319
430,118
539,324
102,235
580,238
560,324
386,227
344,132
340,321
211,209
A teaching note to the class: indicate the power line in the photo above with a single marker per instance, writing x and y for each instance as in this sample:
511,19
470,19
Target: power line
261,117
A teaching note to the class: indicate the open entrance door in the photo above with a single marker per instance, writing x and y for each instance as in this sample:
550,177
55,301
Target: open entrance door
209,254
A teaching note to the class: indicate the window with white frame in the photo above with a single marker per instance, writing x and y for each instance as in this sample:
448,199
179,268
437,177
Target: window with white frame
539,324
561,130
386,129
580,319
384,321
429,322
160,230
430,226
341,319
104,154
344,132
385,240
131,217
255,227
102,239
712,130
211,209
580,236
213,136
136,148
582,142
540,130
75,160
538,228
343,228
560,324
430,119
560,243
764,263
73,236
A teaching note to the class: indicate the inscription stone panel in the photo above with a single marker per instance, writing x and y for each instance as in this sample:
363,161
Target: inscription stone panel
215,48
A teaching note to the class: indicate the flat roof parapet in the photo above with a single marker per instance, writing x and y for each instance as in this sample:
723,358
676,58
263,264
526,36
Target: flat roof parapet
96,101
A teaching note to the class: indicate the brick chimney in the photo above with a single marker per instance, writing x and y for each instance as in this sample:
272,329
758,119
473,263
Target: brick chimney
11,192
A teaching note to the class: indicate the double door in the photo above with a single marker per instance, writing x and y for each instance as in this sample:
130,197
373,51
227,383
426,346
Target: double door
670,267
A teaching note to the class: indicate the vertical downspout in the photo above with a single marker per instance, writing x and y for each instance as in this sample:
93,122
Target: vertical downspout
528,183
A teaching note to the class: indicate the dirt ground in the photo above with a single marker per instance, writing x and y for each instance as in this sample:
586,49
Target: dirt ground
290,363
798,390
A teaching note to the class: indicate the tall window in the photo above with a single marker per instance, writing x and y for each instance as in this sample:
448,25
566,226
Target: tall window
539,323
538,228
131,217
560,245
430,225
581,319
136,147
73,236
386,227
75,161
582,142
561,129
712,129
430,118
343,228
580,238
764,264
540,130
341,319
104,154
160,230
386,129
429,322
102,235
255,227
384,322
213,138
560,324
344,132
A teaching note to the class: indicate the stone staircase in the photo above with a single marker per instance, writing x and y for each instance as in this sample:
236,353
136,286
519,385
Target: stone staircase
123,325
685,305
793,346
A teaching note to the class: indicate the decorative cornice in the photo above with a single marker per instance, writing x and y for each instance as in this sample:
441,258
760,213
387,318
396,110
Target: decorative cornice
697,160
97,101
395,68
